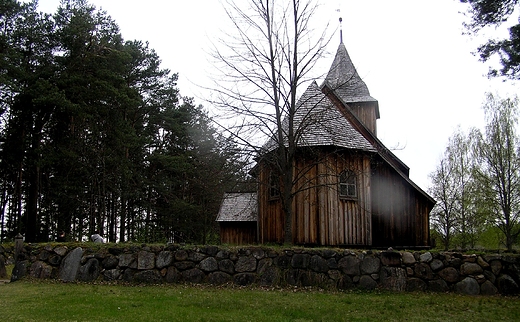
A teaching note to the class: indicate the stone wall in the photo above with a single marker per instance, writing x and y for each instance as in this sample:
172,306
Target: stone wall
325,268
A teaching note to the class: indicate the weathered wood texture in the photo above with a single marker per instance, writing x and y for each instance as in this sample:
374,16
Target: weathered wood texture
367,113
388,210
400,214
320,216
238,232
270,214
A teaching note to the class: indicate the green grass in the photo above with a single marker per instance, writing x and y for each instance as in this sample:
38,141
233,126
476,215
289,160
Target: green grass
9,270
53,301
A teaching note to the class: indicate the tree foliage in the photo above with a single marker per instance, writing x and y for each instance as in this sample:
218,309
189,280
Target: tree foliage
499,171
477,183
95,136
493,13
456,216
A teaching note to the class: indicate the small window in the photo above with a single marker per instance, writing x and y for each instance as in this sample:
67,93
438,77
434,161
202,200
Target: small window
347,184
274,186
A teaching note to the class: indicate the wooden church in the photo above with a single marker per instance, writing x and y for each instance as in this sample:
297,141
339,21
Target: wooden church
349,189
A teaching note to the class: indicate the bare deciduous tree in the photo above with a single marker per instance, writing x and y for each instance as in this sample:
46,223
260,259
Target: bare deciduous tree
262,65
443,216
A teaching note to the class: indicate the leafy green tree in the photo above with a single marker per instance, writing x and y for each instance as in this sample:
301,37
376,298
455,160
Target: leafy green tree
456,217
493,13
499,172
470,216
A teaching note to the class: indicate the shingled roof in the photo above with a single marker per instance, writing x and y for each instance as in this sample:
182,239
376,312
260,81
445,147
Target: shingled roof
240,206
317,122
344,80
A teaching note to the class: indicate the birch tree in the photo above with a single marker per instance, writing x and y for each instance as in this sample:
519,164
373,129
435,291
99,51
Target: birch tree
498,174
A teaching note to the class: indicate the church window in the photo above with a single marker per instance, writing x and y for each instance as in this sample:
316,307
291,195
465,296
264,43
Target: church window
274,186
348,184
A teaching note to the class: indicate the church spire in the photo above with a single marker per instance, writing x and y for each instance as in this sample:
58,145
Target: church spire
343,79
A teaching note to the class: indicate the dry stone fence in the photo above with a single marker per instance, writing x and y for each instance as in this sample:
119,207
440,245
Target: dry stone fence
485,274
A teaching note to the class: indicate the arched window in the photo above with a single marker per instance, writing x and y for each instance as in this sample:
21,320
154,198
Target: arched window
348,184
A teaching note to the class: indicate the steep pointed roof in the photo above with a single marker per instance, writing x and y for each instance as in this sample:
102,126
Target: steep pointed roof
344,80
317,122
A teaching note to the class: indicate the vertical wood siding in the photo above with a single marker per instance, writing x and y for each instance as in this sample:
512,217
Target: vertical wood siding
400,214
388,211
320,216
270,214
366,113
238,233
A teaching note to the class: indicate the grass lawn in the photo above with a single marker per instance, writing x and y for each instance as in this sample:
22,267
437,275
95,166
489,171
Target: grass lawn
54,301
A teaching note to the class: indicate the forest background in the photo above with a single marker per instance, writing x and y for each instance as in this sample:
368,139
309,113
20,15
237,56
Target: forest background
95,135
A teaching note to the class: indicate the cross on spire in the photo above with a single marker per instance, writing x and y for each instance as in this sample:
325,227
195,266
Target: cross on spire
340,30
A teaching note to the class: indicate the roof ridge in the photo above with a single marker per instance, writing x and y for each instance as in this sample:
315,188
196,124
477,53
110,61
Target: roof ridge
317,122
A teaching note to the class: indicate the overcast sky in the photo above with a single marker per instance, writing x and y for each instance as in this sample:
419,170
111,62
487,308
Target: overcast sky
411,54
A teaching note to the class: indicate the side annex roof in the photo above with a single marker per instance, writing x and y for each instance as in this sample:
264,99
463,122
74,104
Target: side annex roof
238,206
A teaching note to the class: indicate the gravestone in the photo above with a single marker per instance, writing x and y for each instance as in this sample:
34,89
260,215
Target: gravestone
70,265
19,270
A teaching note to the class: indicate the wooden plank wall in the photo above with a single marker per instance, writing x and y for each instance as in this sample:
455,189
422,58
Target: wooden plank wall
270,215
344,222
238,233
320,216
366,113
400,214
388,211
305,204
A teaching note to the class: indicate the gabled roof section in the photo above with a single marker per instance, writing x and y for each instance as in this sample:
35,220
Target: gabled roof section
391,159
344,80
317,122
239,206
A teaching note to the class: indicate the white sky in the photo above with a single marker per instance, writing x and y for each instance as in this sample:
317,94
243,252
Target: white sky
411,54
